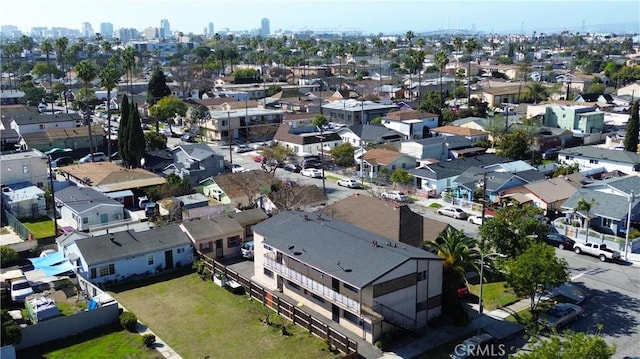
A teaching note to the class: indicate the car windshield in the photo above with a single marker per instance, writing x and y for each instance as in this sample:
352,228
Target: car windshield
22,285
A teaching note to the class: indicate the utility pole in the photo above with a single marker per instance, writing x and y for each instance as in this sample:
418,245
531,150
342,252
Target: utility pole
230,138
626,241
484,195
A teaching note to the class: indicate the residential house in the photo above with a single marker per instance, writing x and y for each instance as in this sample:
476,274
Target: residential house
228,125
84,207
24,200
388,92
609,210
109,177
632,90
182,203
195,162
575,81
578,119
9,140
357,278
352,112
236,190
434,148
76,138
548,195
411,123
247,219
483,124
393,221
34,123
496,96
433,178
374,160
306,140
24,166
359,135
594,97
591,160
121,255
492,183
157,161
215,237
474,136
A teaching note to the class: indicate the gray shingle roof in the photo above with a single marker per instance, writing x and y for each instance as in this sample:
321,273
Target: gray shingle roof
198,151
453,141
101,249
623,184
602,153
455,167
375,133
605,205
472,175
213,227
62,117
81,199
336,248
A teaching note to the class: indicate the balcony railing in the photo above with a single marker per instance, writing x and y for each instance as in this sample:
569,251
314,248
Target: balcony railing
313,286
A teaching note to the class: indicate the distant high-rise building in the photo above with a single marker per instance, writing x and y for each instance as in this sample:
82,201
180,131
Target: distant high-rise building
150,33
87,30
165,29
126,35
10,32
265,28
210,29
106,30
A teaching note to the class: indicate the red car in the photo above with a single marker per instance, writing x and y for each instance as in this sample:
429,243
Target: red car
258,158
463,291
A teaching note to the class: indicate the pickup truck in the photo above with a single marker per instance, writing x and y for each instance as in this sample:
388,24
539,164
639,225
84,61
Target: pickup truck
17,284
598,250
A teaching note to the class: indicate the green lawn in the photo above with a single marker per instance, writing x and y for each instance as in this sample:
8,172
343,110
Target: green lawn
333,178
197,319
435,205
494,295
108,342
40,227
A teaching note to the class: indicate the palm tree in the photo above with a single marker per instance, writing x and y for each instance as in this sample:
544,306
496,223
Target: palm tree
441,60
61,45
129,62
536,91
47,48
379,45
586,206
469,46
410,36
419,65
460,253
109,80
87,72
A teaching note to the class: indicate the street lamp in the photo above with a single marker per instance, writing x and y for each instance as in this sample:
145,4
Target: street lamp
482,257
626,240
53,191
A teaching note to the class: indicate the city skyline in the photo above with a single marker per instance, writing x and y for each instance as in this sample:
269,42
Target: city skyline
371,16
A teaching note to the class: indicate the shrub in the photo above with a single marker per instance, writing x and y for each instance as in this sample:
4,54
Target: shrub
148,340
128,321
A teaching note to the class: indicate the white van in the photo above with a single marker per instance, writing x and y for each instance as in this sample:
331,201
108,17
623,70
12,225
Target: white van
97,157
247,250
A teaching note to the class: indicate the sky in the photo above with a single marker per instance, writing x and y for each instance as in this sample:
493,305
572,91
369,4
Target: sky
368,16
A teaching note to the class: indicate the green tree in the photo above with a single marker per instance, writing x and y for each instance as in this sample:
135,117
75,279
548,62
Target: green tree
175,186
470,46
87,72
11,333
569,345
631,135
401,176
584,207
376,121
564,170
167,108
129,63
441,60
512,230
596,88
514,146
431,103
536,92
155,141
47,48
136,141
123,130
157,87
274,157
535,270
273,89
8,254
343,154
202,53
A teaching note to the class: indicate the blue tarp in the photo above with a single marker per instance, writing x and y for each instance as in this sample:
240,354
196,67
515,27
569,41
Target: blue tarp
49,260
57,269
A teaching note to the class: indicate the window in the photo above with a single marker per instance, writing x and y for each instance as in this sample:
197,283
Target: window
150,259
25,169
568,157
422,275
180,250
234,241
268,273
293,285
85,220
420,306
350,316
606,222
317,298
103,271
351,288
595,162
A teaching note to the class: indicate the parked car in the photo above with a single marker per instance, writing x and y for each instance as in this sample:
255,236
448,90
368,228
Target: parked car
258,158
65,230
236,168
351,183
550,154
560,315
473,347
97,157
452,212
61,161
247,250
292,168
242,149
395,196
477,219
566,293
596,249
311,172
312,163
559,240
188,137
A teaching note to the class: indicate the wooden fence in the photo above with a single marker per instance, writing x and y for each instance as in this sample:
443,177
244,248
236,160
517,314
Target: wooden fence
285,309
